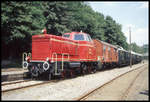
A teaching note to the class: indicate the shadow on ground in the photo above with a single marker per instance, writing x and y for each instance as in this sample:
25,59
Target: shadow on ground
145,92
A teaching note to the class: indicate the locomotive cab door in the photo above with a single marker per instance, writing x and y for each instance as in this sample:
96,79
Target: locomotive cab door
91,47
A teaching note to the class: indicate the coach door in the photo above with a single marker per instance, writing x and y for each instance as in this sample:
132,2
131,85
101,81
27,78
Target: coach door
104,52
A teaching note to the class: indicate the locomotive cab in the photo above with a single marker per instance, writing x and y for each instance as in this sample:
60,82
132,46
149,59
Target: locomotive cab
86,45
78,36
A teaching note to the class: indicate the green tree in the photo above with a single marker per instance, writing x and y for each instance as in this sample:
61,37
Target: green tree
113,33
57,16
136,48
145,48
20,20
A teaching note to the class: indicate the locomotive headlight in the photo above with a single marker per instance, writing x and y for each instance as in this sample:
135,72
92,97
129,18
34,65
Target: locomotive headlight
27,58
47,59
25,64
46,66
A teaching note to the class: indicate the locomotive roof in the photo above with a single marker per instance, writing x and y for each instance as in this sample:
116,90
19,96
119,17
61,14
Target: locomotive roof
122,49
136,53
131,52
107,43
76,33
43,35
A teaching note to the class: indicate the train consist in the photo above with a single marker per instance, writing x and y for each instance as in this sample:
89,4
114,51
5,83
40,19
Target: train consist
73,53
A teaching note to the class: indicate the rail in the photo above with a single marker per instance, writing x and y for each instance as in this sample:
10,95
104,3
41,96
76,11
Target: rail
83,97
25,86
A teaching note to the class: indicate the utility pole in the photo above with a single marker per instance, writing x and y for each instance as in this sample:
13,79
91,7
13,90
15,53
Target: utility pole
130,48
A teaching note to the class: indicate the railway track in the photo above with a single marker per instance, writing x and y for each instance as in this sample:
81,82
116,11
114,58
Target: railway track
23,84
15,82
13,70
131,84
83,97
36,83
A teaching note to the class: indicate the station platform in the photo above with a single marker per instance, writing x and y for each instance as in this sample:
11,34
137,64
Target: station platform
11,74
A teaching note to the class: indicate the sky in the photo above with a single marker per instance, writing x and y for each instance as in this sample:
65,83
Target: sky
128,14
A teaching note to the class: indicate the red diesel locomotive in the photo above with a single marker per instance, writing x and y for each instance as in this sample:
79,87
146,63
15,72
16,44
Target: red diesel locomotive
56,55
70,53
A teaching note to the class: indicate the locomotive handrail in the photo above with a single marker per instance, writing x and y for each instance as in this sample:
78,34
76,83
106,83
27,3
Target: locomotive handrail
29,54
99,58
24,55
23,58
63,59
55,62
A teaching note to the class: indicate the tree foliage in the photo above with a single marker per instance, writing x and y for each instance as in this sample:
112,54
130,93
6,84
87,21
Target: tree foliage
139,49
57,16
21,20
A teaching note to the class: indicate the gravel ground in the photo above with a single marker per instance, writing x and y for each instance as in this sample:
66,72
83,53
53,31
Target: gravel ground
117,89
67,89
140,90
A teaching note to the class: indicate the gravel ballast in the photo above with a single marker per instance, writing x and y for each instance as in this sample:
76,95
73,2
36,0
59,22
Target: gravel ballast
67,89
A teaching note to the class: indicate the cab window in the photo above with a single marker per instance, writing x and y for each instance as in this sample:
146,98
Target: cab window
78,37
66,35
88,38
104,48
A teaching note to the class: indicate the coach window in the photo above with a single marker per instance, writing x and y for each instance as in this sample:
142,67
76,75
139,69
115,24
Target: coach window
78,37
115,50
109,51
104,49
108,48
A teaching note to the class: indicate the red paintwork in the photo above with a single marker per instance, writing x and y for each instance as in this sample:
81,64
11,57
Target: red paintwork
45,45
107,56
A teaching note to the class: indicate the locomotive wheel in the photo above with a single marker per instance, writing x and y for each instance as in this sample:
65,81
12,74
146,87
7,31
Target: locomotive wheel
94,68
34,71
63,74
83,68
89,69
99,65
71,73
50,76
